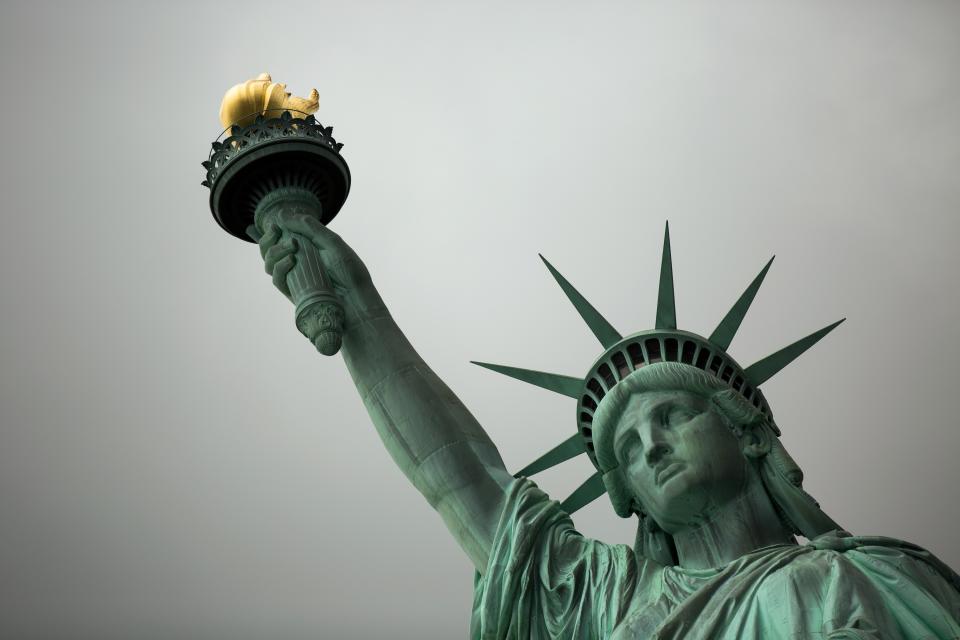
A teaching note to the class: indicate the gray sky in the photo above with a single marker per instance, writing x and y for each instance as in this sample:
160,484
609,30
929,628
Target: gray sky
176,461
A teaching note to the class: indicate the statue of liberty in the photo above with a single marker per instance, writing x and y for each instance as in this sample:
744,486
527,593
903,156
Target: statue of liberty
680,434
682,439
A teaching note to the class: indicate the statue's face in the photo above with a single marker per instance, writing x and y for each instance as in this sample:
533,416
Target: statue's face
678,457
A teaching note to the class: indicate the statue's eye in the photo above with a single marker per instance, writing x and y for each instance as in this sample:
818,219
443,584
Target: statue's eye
679,415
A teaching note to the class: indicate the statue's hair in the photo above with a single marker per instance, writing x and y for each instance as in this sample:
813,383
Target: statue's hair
781,476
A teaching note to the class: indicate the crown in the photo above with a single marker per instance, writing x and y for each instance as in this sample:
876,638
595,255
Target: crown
663,343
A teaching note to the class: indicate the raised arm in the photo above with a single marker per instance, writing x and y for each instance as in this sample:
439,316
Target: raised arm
430,434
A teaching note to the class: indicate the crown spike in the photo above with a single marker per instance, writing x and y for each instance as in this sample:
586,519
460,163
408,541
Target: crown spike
761,371
564,385
606,334
586,493
666,307
723,334
569,448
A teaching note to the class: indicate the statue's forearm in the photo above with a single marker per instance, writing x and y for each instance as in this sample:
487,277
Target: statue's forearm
414,409
430,434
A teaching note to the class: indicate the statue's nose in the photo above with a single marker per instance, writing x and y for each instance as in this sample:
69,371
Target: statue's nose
657,452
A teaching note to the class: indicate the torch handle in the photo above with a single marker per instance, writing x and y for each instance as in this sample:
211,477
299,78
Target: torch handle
319,314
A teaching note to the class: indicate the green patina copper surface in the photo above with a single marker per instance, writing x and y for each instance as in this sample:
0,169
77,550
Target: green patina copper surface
680,434
685,443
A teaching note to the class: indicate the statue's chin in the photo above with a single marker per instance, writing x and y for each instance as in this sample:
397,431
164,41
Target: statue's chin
681,501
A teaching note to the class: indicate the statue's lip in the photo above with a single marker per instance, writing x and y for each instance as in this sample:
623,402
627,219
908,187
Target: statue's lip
668,471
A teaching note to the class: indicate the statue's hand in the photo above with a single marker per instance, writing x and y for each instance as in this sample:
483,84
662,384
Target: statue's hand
349,276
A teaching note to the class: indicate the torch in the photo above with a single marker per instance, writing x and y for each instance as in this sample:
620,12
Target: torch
278,159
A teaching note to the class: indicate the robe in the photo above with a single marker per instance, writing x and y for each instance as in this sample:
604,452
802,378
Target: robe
544,580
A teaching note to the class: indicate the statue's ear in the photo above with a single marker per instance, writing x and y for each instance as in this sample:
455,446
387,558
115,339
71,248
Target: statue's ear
756,440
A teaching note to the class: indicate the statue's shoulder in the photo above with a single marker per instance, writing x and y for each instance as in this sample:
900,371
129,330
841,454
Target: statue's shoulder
883,554
844,569
831,584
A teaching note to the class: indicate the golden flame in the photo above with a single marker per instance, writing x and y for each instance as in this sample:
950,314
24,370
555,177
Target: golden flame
262,96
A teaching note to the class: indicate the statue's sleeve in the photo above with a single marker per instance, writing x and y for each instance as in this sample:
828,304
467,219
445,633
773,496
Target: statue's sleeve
545,580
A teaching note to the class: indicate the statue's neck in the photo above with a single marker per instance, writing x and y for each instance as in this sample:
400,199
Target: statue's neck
744,524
